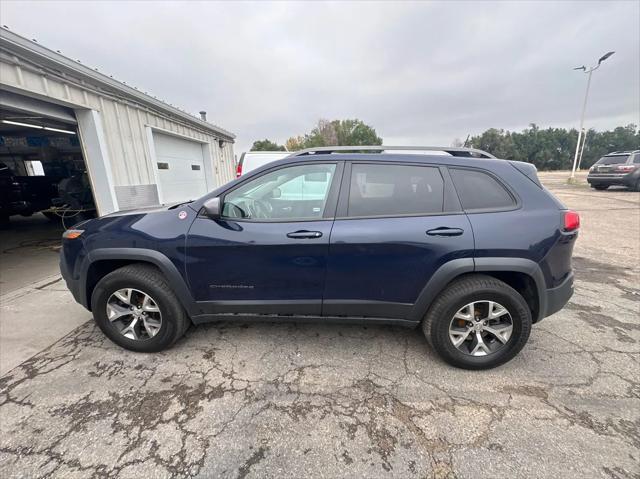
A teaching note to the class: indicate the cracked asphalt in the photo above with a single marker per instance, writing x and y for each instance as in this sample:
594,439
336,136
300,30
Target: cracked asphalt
318,400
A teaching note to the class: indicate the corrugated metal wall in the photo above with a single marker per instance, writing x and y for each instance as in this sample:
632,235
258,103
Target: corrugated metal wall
124,121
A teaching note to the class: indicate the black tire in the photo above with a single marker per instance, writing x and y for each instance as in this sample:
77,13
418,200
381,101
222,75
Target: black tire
637,185
600,187
150,280
467,290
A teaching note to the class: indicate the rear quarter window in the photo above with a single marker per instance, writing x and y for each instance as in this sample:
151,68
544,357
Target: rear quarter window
480,191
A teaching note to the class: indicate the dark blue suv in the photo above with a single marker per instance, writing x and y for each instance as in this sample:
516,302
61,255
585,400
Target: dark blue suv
473,250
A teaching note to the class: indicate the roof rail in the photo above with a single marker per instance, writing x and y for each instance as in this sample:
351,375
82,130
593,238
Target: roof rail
451,150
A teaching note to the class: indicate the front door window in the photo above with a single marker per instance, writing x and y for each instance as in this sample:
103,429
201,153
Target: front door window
293,193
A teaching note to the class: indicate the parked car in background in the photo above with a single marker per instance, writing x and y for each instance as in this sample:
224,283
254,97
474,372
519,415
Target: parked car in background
251,160
441,242
620,168
25,195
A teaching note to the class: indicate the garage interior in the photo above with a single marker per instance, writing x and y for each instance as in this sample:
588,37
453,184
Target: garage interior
76,143
43,189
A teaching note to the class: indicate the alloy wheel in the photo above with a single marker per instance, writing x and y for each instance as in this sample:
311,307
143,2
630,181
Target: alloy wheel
481,328
134,313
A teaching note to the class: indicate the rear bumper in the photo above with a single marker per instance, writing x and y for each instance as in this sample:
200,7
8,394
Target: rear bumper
625,179
556,298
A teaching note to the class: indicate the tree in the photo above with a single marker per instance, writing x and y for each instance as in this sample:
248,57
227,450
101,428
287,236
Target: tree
266,145
295,143
355,132
336,133
554,148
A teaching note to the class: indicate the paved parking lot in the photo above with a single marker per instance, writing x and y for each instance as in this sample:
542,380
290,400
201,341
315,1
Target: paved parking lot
314,400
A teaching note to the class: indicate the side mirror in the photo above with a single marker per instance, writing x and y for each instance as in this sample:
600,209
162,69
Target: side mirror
212,208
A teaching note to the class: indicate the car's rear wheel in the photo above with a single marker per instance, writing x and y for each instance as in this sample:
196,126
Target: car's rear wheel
600,187
136,308
478,322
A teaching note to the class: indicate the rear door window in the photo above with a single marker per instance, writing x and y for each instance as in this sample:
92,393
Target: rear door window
480,191
395,190
612,160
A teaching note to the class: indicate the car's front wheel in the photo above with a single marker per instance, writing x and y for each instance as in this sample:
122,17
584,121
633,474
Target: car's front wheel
600,187
136,308
478,322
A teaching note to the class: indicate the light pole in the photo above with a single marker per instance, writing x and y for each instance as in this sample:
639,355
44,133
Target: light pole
584,107
584,143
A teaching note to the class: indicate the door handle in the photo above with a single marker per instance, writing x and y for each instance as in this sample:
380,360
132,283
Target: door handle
304,234
444,231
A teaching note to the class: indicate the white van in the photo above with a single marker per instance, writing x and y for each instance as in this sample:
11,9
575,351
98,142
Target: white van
251,160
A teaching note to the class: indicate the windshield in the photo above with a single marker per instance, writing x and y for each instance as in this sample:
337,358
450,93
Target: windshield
612,160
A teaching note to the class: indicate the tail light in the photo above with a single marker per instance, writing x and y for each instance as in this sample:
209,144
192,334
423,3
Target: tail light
239,170
626,168
571,220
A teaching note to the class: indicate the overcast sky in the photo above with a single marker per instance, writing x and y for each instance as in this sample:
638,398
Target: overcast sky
419,72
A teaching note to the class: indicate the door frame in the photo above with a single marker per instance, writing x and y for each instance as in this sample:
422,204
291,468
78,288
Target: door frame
217,309
395,311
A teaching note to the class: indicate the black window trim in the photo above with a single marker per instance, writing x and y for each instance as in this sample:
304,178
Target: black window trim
449,200
514,196
329,206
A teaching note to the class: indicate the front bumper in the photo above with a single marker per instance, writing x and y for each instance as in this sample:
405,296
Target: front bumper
74,285
556,298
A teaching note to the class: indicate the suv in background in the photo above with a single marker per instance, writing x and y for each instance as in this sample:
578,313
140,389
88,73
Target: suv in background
25,195
473,251
617,168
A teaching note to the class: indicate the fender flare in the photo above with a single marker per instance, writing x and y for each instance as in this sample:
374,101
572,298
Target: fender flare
443,276
518,265
454,268
164,264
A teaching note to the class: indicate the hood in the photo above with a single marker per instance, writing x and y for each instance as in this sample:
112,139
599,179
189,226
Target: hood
147,209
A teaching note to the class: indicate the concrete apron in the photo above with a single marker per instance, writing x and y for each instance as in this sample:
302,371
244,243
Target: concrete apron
34,317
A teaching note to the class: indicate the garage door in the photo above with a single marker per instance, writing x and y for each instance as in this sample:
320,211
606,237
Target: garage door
180,165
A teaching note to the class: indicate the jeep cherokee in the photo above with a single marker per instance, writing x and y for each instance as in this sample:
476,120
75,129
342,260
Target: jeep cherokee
472,250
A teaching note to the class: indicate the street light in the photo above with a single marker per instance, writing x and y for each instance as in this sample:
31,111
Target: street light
584,107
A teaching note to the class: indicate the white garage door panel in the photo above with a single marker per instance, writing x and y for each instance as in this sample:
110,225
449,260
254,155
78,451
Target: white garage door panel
182,180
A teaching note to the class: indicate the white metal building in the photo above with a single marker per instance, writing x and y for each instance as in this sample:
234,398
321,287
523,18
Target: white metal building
138,150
